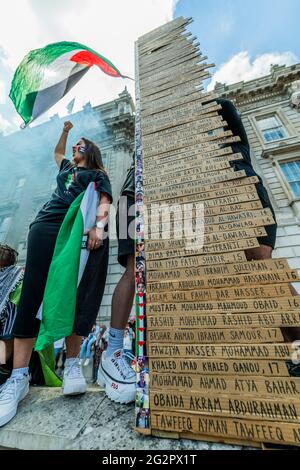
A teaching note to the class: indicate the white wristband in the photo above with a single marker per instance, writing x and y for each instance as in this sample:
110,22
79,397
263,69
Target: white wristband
100,224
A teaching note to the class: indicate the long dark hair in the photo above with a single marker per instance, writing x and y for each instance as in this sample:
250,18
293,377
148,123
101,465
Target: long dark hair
93,158
8,256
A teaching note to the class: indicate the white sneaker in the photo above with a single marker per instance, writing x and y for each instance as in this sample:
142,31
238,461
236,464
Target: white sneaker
116,375
73,382
12,392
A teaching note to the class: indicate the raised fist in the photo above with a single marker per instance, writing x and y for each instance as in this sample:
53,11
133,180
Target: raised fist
67,126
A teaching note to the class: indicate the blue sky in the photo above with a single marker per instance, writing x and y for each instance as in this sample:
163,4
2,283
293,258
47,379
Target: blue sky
228,27
242,37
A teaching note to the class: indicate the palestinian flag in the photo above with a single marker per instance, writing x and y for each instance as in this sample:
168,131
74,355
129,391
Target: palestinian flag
46,75
57,311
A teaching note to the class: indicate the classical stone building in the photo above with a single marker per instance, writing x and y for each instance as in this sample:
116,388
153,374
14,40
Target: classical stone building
270,110
28,170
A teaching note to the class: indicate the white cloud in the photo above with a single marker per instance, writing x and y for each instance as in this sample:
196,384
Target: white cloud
240,67
110,27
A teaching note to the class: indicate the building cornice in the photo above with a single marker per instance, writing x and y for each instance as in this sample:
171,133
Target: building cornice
120,120
254,90
281,149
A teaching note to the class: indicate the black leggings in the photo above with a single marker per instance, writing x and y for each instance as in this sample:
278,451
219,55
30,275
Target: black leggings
40,248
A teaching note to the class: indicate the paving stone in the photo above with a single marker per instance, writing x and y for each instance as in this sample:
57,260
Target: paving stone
47,421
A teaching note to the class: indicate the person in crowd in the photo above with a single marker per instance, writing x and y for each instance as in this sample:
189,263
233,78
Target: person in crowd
11,276
115,372
73,178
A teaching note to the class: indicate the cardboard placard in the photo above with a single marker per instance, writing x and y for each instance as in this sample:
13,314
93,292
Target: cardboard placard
196,181
222,138
171,123
171,96
189,231
236,385
177,70
167,145
247,407
175,193
163,168
224,321
193,66
215,238
239,293
190,250
166,96
175,118
186,232
208,282
280,304
221,164
162,78
219,265
174,96
162,143
168,65
275,432
184,155
193,199
176,26
190,178
149,62
242,367
151,66
194,163
193,195
176,49
280,351
245,335
187,129
159,212
159,87
209,145
191,224
200,260
178,103
195,108
209,190
229,208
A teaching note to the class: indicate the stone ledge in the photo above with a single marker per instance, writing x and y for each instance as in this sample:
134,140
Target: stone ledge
48,421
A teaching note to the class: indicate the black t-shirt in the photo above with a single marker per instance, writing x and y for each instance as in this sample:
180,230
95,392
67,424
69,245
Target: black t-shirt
71,181
128,188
